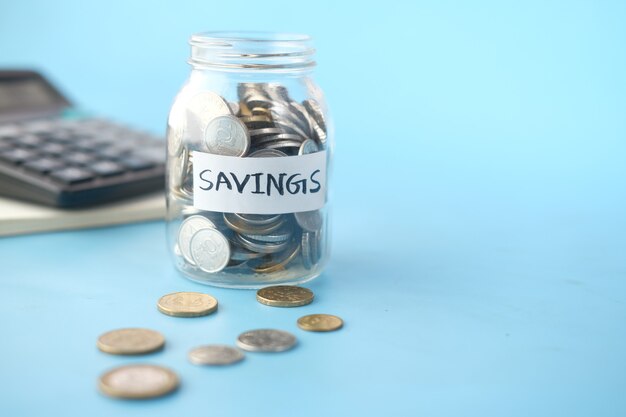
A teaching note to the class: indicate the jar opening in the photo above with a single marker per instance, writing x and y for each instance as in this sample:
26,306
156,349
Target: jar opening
265,51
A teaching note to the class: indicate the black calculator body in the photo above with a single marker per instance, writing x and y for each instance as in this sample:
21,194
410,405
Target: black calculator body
52,156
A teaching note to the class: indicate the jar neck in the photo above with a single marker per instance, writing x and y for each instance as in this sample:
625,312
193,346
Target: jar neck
252,51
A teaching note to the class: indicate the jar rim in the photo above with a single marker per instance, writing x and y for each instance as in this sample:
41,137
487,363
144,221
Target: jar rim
247,36
252,50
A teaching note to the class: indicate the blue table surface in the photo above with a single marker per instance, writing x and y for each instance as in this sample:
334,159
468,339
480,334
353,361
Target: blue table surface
479,216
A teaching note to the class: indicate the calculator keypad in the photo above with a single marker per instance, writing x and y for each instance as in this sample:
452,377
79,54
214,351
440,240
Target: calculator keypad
68,152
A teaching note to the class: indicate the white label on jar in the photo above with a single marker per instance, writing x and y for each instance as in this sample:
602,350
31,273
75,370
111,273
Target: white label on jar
272,185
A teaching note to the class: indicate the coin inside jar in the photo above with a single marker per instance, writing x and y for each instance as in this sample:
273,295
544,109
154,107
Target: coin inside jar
277,264
201,109
138,381
187,229
307,147
210,250
131,341
227,135
311,221
187,304
284,296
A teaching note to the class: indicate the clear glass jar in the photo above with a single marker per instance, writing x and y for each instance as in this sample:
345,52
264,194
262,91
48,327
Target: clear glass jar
249,148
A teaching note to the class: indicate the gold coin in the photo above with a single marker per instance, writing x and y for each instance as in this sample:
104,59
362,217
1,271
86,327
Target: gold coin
320,323
130,341
275,266
138,381
187,304
284,296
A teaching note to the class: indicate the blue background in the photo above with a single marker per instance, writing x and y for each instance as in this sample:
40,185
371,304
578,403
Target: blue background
479,252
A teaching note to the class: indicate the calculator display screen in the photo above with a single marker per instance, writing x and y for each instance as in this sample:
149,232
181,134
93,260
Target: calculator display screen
24,91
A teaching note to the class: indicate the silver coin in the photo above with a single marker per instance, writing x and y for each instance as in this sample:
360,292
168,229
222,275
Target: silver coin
210,250
247,89
307,147
239,225
282,136
267,153
301,113
289,115
310,221
258,219
175,128
315,111
174,140
187,185
242,254
227,135
266,340
187,229
177,170
215,355
318,132
234,107
280,235
316,254
260,246
188,211
265,131
279,144
279,93
307,260
201,109
138,381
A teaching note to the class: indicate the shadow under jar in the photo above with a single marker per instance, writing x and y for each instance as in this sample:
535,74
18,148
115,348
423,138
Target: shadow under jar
249,145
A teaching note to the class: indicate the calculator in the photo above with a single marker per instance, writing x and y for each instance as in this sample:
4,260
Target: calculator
51,155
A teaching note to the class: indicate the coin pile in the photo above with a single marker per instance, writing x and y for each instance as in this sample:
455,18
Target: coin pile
265,122
137,381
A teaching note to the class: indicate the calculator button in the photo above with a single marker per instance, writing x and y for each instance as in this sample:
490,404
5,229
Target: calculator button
44,165
155,154
53,148
72,175
114,152
6,143
84,144
80,158
38,126
60,137
136,163
106,168
30,140
9,130
17,155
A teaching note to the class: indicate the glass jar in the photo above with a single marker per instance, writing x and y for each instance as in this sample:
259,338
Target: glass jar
249,148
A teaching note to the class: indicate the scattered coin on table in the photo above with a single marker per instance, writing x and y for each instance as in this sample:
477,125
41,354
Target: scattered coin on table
131,341
266,340
138,381
320,323
215,355
284,296
187,304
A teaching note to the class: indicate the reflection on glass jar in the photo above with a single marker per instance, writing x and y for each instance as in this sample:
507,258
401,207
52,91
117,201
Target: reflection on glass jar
249,151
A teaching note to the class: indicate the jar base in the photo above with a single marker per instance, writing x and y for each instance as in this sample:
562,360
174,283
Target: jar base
245,283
